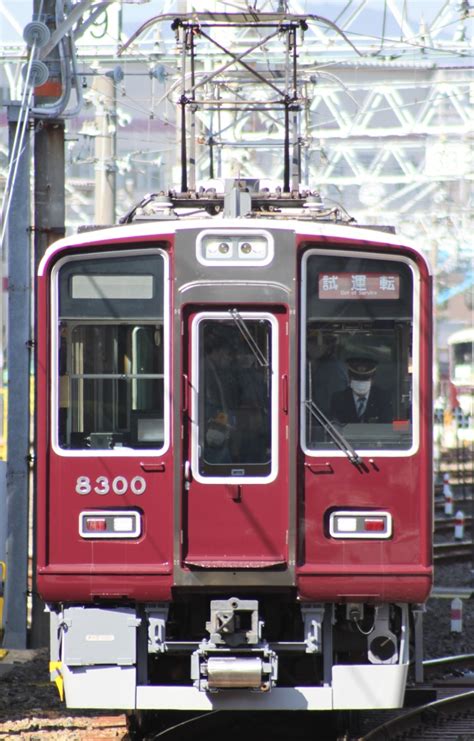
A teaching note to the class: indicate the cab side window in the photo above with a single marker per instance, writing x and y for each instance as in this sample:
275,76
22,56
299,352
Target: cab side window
110,353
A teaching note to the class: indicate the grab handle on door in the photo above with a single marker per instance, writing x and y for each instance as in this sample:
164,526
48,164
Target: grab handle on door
152,466
187,475
284,393
185,392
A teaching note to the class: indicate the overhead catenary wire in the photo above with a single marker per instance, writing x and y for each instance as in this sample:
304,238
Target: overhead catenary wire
131,104
18,142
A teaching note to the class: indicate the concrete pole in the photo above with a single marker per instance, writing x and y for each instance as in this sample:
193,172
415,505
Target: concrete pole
49,184
18,359
49,218
49,207
49,225
105,142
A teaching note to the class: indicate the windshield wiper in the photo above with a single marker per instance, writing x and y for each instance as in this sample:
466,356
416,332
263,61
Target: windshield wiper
246,334
335,435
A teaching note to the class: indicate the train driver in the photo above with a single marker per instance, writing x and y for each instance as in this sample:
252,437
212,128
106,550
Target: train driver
362,400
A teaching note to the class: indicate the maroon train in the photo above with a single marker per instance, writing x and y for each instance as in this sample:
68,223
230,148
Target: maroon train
214,531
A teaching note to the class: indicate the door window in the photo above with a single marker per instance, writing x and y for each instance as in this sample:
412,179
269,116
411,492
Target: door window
235,399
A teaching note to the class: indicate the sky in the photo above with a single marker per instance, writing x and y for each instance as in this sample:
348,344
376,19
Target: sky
373,17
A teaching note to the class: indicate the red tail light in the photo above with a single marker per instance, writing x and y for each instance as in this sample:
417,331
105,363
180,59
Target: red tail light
94,524
373,524
110,524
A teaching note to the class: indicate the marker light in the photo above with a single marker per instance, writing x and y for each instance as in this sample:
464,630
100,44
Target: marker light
372,524
347,524
123,524
256,249
357,524
94,524
109,524
235,247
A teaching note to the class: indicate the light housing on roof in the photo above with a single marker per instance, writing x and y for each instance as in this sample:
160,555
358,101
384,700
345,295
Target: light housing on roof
235,247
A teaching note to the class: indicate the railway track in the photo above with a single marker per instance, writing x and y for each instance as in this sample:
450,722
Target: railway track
452,679
56,725
465,505
447,525
462,479
233,726
440,592
450,719
453,669
444,552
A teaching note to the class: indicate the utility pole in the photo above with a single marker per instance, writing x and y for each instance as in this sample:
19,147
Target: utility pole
49,165
49,206
105,145
18,360
49,218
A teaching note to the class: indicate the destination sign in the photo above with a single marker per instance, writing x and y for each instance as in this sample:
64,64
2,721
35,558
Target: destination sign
366,286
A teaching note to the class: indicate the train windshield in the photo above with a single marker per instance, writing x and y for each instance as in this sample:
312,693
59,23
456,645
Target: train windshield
110,353
357,356
235,381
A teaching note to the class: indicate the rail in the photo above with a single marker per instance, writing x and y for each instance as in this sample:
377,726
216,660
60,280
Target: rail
451,717
453,551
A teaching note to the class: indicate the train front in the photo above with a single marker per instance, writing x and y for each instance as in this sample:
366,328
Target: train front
234,464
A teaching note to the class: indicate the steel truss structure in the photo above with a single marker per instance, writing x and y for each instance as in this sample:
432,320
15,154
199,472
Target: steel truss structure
371,104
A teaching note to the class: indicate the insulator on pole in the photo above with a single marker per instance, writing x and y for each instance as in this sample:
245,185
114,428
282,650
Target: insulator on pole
35,74
37,33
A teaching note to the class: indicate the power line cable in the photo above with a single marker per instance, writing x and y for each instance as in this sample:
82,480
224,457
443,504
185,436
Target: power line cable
17,146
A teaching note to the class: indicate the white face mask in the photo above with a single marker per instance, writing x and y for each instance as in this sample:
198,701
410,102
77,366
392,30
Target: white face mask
361,388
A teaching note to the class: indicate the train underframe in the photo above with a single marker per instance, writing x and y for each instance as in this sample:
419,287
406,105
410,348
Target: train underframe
213,651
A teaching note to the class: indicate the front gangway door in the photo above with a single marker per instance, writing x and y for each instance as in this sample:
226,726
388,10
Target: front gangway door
235,473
